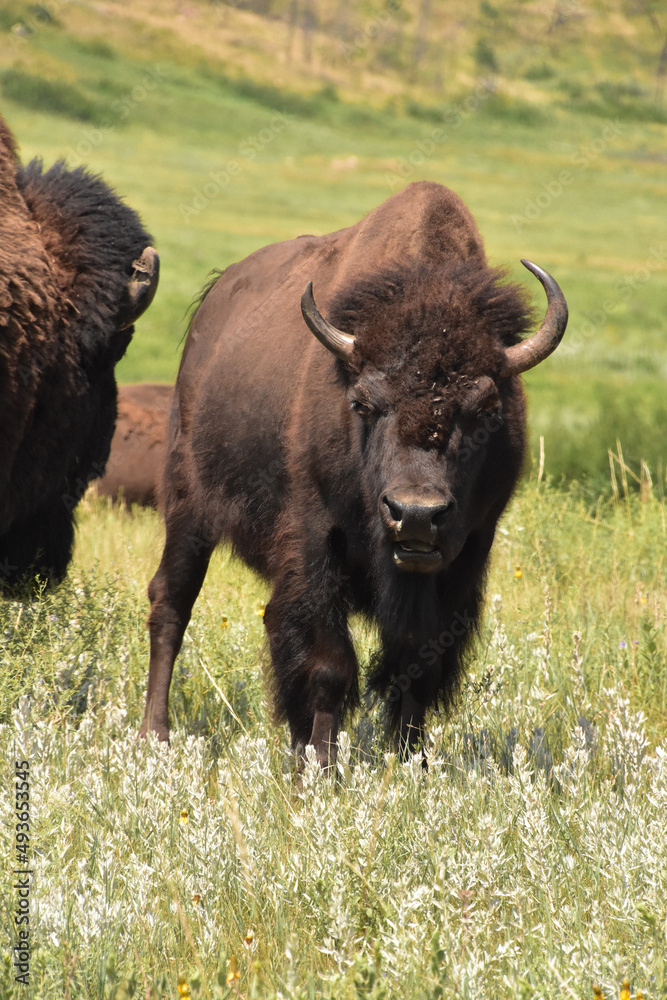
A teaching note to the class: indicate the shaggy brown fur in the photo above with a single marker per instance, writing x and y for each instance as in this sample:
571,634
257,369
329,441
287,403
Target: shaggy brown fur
139,446
67,246
431,375
372,484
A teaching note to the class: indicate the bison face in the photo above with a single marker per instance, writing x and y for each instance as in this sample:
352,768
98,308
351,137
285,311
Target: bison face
426,496
431,375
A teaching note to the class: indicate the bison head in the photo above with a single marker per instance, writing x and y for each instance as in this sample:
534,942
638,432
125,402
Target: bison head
430,377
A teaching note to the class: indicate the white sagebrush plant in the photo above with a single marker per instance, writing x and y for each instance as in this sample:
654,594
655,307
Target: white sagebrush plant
164,856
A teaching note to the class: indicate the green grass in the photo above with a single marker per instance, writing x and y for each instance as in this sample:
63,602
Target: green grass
529,861
167,128
54,97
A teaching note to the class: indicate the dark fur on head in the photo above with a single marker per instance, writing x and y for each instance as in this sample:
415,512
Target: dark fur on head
435,330
94,238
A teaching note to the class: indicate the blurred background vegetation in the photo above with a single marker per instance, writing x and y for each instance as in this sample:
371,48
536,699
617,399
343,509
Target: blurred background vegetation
229,126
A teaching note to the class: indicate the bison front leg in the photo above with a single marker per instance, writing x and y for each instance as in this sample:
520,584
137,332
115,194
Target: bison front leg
331,671
410,734
315,671
424,683
410,678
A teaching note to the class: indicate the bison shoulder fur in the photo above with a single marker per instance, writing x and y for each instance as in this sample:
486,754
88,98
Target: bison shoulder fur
76,271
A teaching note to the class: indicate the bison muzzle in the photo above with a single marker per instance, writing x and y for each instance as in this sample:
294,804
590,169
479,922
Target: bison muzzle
362,469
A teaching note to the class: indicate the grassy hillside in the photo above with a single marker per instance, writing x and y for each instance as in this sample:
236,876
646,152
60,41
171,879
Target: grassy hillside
225,138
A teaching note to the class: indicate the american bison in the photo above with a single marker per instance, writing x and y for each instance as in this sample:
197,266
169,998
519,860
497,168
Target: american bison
76,271
359,461
136,460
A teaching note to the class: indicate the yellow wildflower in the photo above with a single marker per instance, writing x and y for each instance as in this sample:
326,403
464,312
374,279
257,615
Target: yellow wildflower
183,988
196,898
183,818
625,989
249,936
597,993
518,572
224,623
233,971
261,610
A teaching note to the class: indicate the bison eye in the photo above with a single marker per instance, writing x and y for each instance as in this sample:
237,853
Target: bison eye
363,409
490,410
481,411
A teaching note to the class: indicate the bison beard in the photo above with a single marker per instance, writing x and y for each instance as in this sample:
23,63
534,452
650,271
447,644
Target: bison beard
76,271
365,473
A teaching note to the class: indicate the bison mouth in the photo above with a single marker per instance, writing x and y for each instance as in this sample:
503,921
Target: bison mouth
416,556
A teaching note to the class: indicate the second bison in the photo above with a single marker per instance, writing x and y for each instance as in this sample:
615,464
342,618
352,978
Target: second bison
139,446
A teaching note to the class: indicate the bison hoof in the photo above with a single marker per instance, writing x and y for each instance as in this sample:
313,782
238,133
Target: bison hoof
161,730
324,755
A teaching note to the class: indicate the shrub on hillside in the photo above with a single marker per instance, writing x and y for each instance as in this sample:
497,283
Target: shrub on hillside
539,71
485,57
609,99
504,108
54,97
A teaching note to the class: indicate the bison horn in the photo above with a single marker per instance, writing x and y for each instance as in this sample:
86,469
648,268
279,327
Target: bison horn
520,357
339,343
142,286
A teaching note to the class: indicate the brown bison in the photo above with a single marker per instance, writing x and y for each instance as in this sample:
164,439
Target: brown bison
139,445
76,271
362,469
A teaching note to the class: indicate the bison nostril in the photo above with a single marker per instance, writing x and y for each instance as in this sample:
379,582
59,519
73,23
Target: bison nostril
443,513
416,517
395,509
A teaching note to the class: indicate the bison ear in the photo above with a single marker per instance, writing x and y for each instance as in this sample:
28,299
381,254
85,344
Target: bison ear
141,287
339,343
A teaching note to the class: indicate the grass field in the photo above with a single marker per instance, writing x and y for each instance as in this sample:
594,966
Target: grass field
220,164
531,860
